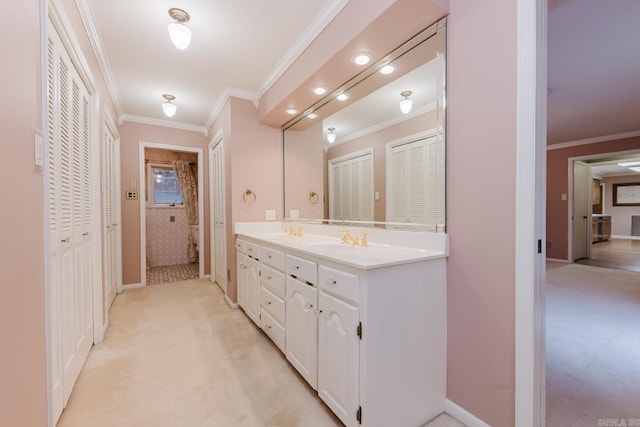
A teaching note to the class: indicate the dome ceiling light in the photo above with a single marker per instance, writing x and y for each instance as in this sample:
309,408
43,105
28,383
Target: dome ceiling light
168,106
406,103
179,33
331,135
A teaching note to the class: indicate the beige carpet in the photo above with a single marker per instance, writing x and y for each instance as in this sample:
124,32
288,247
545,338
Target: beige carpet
176,355
593,346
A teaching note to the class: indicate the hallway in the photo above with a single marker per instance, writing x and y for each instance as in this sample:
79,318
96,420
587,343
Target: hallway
176,355
623,254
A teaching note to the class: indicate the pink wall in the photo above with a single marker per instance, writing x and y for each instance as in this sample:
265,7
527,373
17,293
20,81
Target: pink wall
378,141
620,215
131,134
253,160
481,176
23,399
305,171
558,184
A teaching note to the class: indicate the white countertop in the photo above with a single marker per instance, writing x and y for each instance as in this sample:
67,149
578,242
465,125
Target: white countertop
375,255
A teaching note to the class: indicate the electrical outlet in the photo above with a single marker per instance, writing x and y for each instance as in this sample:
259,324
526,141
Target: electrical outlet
270,215
132,195
294,214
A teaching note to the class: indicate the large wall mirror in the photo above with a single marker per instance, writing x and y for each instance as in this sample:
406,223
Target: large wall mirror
378,156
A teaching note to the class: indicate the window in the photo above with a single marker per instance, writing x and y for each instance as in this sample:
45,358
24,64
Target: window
164,187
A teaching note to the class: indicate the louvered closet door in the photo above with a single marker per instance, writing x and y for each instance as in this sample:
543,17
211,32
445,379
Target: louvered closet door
351,188
69,221
219,238
110,268
416,190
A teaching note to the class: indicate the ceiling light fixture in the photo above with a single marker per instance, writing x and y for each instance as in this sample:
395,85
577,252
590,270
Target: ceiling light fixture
362,58
320,90
627,164
169,107
331,136
342,97
312,115
179,33
388,69
406,104
291,111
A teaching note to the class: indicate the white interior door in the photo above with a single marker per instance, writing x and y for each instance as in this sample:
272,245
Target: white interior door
70,220
112,255
218,250
351,187
415,182
581,215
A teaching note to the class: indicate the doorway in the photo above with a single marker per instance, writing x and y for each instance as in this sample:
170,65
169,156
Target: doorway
171,213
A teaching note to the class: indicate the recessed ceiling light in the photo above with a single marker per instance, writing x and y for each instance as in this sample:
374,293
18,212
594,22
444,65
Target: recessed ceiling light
291,111
312,115
388,69
342,97
627,164
320,90
362,58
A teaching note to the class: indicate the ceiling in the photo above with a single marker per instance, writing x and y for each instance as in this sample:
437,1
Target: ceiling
593,69
240,47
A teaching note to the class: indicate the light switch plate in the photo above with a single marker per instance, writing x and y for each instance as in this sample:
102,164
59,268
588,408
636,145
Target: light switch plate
270,215
294,214
564,197
134,184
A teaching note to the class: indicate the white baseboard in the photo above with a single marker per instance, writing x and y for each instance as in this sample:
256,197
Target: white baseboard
132,286
558,260
230,303
626,237
462,415
206,276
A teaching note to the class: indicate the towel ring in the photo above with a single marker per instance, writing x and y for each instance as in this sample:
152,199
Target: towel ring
313,197
248,196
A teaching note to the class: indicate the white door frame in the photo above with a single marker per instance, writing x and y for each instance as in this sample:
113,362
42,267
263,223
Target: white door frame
531,129
143,206
585,158
217,139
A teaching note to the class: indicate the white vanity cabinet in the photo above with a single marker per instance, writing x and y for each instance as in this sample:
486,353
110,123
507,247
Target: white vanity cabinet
302,321
338,355
248,266
369,337
272,296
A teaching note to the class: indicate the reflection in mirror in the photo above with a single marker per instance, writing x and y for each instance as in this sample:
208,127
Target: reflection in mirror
386,163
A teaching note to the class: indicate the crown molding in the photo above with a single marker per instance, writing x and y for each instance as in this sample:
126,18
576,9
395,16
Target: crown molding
162,123
222,99
88,19
594,140
302,43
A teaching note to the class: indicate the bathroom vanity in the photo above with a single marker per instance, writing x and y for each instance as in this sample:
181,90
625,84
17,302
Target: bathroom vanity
364,326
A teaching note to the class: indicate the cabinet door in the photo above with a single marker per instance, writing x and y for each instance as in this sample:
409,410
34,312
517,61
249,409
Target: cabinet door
253,290
338,356
302,329
242,270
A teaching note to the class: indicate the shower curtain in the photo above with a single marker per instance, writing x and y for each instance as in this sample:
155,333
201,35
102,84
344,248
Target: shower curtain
189,188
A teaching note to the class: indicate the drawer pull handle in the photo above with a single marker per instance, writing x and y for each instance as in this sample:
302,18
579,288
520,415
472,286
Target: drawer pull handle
269,256
331,282
65,240
268,302
297,267
267,326
308,307
268,277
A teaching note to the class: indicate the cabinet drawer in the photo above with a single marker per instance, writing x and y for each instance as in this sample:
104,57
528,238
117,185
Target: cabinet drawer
272,257
253,250
304,270
273,305
339,283
272,279
240,245
273,329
